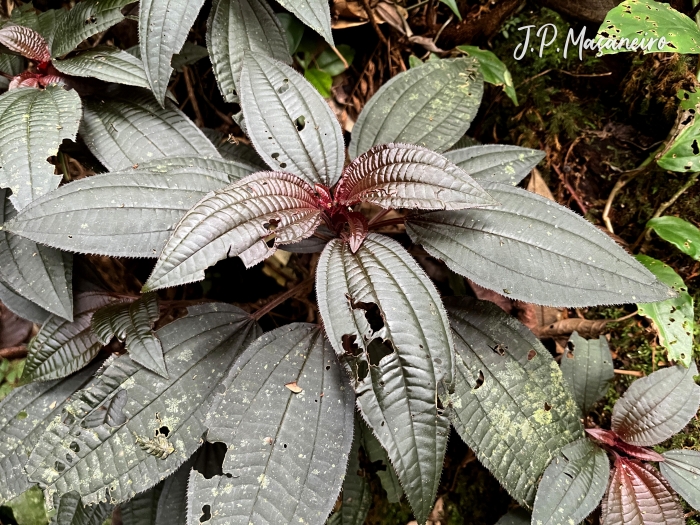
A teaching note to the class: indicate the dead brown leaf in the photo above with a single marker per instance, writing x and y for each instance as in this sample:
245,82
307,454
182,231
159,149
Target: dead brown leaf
294,387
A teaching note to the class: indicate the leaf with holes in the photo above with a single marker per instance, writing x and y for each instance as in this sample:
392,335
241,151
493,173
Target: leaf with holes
289,123
132,324
163,29
385,470
637,494
681,468
625,23
379,308
532,249
71,511
237,26
38,273
510,404
356,492
656,407
572,485
587,367
494,71
314,13
124,214
407,176
682,151
61,347
287,451
431,106
257,213
165,418
674,319
24,415
122,132
496,162
26,42
33,122
682,234
106,63
83,20
21,306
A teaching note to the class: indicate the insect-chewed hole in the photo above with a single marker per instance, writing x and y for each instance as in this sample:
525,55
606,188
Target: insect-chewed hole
210,459
284,87
60,467
547,407
372,313
378,350
350,346
21,415
206,514
694,146
300,123
479,380
75,447
164,431
285,445
500,349
328,367
531,355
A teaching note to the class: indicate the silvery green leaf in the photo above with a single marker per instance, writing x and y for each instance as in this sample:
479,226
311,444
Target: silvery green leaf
38,273
532,249
125,214
314,13
143,508
225,170
572,485
510,404
291,126
237,26
244,216
163,29
165,418
106,63
286,415
111,412
496,162
125,130
681,469
587,366
518,516
71,511
61,347
408,176
33,123
385,472
656,407
83,20
21,306
132,324
232,149
24,415
379,308
431,106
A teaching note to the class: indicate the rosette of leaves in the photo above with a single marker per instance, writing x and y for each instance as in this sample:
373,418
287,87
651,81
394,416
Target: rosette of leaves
408,371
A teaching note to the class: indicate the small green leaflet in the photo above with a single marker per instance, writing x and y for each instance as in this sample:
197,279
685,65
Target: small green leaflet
682,234
682,470
587,366
682,153
495,72
673,318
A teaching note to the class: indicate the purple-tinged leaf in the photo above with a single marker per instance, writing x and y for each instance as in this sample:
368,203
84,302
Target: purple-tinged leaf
611,439
638,495
408,176
26,42
682,471
656,407
261,211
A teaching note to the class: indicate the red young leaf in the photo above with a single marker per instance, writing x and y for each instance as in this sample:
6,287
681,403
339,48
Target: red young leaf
638,495
604,436
409,176
26,42
358,229
611,439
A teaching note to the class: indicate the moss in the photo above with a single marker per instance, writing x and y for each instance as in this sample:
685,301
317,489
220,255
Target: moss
25,509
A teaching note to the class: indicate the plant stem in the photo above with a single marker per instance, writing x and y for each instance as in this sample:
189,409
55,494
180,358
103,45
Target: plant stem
388,222
64,166
13,352
294,290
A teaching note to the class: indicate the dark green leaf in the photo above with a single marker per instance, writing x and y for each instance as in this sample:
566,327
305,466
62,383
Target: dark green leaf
572,485
385,470
38,273
143,509
682,234
293,29
496,162
237,26
279,103
33,123
61,347
106,63
132,324
510,404
532,249
83,20
111,412
24,415
587,367
431,106
682,470
21,306
163,29
495,72
165,418
240,219
188,55
656,407
408,176
452,4
287,418
680,153
71,511
331,63
321,80
380,308
314,13
127,214
122,132
673,318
